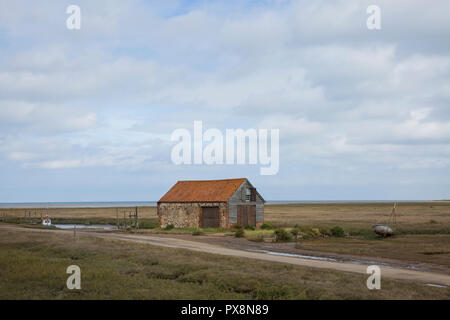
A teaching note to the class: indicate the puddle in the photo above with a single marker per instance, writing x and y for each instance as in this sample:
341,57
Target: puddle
84,226
294,255
436,285
348,260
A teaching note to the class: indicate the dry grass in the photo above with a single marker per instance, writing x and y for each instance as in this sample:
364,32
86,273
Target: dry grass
33,267
82,213
412,217
147,215
434,249
427,217
258,235
367,212
423,229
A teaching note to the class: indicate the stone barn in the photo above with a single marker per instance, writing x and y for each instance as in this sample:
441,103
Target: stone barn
211,204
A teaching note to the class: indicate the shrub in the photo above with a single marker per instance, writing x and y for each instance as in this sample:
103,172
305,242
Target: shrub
239,233
257,237
197,233
295,232
325,232
305,235
169,227
148,224
267,226
248,227
337,231
282,235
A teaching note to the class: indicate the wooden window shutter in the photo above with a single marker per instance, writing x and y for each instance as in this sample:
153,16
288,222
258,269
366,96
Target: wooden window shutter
253,194
243,194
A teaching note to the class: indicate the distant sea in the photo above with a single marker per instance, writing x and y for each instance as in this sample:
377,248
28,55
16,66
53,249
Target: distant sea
109,204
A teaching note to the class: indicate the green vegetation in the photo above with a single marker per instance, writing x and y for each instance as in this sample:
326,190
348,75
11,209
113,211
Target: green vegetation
337,231
282,235
295,232
416,221
197,233
34,267
267,226
258,235
358,218
239,233
143,223
406,248
148,224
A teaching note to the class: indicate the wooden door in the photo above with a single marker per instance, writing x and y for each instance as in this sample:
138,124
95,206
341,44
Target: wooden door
242,215
246,215
251,215
210,217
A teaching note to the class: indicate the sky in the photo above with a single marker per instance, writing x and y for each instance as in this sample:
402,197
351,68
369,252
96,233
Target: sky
87,115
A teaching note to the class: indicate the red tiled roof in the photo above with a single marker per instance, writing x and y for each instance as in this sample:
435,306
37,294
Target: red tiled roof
202,190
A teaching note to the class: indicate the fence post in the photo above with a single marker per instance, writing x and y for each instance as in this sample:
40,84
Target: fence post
136,220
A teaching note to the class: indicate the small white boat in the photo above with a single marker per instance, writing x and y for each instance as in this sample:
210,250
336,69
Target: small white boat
46,221
383,230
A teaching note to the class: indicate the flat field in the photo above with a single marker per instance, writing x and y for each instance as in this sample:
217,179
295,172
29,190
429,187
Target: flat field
430,217
422,229
34,266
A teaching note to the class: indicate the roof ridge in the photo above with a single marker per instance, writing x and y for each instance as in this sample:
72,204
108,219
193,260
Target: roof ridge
212,180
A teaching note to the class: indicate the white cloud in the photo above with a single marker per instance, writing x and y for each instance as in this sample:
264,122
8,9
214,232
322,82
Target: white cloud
58,164
343,97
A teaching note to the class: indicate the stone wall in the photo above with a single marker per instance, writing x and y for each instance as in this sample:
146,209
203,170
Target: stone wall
188,215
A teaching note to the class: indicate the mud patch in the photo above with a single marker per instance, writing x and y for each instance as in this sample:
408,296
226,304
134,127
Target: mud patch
430,253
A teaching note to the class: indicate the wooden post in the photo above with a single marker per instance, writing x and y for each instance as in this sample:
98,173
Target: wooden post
136,220
394,218
130,218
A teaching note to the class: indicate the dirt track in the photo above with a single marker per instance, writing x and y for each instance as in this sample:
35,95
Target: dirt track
394,273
